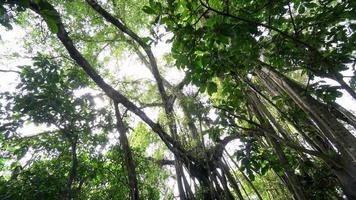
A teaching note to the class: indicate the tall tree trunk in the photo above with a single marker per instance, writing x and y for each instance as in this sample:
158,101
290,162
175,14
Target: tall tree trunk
115,95
195,166
167,100
344,141
259,109
129,162
342,166
318,141
219,193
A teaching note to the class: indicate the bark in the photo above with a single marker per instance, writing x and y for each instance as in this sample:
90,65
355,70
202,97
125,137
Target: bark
11,71
290,175
219,193
68,190
190,122
129,162
243,189
161,162
342,166
274,122
217,151
205,189
303,124
176,90
339,111
347,181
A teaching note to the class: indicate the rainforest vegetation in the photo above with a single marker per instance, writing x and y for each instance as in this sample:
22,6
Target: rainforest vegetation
178,99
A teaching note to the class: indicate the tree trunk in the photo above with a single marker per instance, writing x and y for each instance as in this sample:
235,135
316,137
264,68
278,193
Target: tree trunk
259,109
129,162
342,166
326,121
68,192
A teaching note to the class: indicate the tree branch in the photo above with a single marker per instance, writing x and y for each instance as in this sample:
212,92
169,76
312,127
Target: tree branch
10,71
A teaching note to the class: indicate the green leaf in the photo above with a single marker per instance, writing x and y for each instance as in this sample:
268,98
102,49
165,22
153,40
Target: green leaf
24,3
212,88
199,53
301,10
148,10
264,169
2,10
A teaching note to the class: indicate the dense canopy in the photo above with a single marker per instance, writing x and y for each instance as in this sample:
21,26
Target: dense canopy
178,99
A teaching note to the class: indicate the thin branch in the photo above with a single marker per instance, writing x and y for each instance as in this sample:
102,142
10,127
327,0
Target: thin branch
201,16
292,19
10,71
